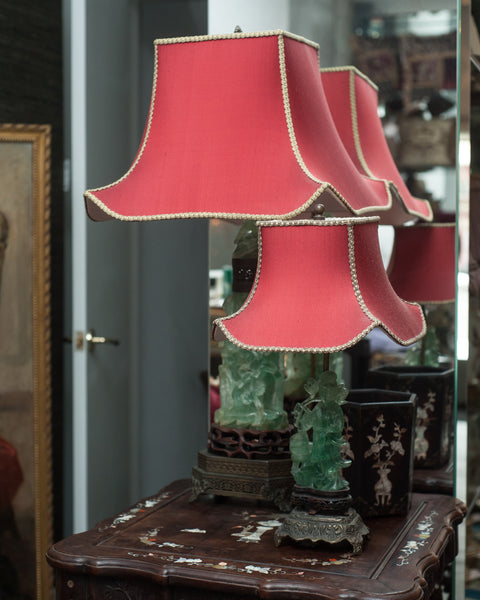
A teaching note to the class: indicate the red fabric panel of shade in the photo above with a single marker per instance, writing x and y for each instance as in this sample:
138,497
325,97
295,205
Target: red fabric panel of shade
304,297
422,268
218,144
363,100
218,140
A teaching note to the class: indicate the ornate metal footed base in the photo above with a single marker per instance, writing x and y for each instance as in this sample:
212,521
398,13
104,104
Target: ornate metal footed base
268,480
310,529
322,516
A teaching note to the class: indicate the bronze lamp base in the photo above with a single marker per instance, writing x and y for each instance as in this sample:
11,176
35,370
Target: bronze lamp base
320,516
269,480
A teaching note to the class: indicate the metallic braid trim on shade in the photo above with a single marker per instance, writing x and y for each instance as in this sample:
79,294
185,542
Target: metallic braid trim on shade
240,344
356,135
288,113
330,222
353,274
354,70
233,36
210,215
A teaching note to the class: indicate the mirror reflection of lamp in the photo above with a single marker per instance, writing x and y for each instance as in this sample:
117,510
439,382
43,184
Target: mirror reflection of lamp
320,287
422,269
353,102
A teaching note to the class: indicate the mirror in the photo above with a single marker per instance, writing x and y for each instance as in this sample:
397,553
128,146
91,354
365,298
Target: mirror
468,217
409,49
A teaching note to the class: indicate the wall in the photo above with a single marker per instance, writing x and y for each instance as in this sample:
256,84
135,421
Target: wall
31,92
323,21
143,414
173,299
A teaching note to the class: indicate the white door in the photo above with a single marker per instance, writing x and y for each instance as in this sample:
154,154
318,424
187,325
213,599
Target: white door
140,408
103,296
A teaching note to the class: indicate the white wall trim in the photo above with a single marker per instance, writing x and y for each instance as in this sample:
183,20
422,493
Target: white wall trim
79,261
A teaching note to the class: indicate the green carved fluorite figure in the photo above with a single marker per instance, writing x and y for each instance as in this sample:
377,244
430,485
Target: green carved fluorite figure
251,389
316,447
251,383
438,342
246,241
426,352
246,247
298,370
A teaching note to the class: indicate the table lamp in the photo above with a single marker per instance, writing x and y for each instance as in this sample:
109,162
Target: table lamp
320,287
353,103
239,128
422,269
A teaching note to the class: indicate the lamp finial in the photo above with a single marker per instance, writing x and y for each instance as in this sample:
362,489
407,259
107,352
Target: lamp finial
318,211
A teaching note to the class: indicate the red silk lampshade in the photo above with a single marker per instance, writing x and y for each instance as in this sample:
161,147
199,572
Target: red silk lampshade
320,287
422,267
353,102
239,127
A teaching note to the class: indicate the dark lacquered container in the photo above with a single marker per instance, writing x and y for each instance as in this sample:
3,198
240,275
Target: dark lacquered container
434,388
379,434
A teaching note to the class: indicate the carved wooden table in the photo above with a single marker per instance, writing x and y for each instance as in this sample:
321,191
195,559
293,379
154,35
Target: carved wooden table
166,547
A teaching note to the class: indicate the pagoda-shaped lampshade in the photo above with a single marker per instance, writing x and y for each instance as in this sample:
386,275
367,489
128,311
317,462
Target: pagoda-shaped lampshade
239,127
422,266
320,287
353,102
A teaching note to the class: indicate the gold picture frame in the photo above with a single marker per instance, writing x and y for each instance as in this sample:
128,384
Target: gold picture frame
26,519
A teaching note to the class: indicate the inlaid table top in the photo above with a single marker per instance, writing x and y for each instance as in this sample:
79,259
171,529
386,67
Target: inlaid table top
168,547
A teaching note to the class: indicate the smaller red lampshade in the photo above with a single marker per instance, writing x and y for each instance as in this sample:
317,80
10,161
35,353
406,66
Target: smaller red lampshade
422,266
239,128
320,287
353,102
